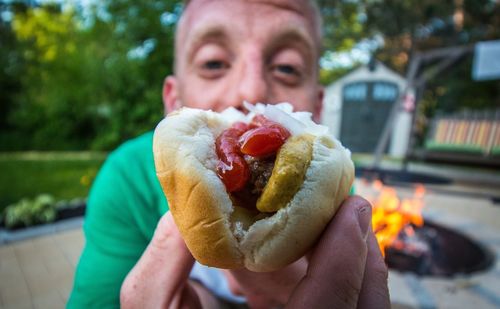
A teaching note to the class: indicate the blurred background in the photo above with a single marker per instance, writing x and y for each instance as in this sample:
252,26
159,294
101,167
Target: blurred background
79,77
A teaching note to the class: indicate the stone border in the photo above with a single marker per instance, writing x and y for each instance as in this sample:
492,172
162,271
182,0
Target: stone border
7,237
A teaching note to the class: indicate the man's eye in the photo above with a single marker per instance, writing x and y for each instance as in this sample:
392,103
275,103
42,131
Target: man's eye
214,65
212,69
287,69
287,74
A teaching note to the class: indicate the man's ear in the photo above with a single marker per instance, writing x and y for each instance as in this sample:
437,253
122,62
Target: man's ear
318,107
171,100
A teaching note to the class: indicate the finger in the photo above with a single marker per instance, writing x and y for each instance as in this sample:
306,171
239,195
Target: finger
374,292
168,251
335,274
163,269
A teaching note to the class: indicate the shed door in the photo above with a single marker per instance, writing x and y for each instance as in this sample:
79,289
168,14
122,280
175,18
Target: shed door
365,109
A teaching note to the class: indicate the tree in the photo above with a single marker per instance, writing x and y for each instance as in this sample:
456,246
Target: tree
139,52
343,28
11,66
425,24
53,108
90,81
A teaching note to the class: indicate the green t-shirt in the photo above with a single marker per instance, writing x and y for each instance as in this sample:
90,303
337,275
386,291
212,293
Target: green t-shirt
124,206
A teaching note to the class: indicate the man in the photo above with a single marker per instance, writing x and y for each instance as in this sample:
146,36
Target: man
227,51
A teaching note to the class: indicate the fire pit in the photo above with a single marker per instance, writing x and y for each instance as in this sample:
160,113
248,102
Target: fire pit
424,248
434,250
436,261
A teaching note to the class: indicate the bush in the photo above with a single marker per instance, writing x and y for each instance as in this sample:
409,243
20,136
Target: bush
27,212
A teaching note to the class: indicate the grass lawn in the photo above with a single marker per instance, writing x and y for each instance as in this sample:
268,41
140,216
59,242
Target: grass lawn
64,175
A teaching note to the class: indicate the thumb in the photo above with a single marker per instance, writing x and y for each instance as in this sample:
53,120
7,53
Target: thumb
161,273
335,274
168,252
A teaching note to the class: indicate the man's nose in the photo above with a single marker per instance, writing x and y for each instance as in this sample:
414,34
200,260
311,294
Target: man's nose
252,85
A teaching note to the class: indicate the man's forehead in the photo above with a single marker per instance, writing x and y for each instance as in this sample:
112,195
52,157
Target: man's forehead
305,8
196,22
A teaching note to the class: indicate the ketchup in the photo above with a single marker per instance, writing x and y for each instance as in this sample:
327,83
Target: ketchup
232,168
263,141
261,138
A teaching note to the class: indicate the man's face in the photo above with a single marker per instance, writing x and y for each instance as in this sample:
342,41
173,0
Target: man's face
228,51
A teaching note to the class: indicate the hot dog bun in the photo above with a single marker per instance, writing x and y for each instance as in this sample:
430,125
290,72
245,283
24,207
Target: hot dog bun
216,234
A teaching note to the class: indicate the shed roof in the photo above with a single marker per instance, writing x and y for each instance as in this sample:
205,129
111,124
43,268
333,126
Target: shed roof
363,73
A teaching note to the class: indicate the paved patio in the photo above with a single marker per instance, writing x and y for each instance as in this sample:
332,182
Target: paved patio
38,272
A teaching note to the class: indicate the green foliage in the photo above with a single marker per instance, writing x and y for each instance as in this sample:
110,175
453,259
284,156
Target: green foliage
87,82
29,212
455,94
329,76
11,66
343,28
138,54
342,24
53,107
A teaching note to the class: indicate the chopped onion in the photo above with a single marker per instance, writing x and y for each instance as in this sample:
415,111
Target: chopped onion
293,125
282,113
295,122
231,114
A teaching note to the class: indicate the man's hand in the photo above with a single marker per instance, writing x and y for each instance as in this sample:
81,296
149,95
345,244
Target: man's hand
346,269
160,278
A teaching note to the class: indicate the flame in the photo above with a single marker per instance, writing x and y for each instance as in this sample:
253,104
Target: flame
392,215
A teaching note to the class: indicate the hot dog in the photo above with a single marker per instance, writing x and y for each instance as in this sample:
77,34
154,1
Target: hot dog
253,190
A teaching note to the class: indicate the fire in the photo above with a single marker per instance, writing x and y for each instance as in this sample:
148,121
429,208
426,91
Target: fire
392,215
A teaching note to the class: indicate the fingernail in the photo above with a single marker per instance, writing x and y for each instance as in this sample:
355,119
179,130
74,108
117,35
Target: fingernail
364,220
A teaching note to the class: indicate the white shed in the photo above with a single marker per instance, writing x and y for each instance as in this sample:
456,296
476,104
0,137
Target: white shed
356,108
